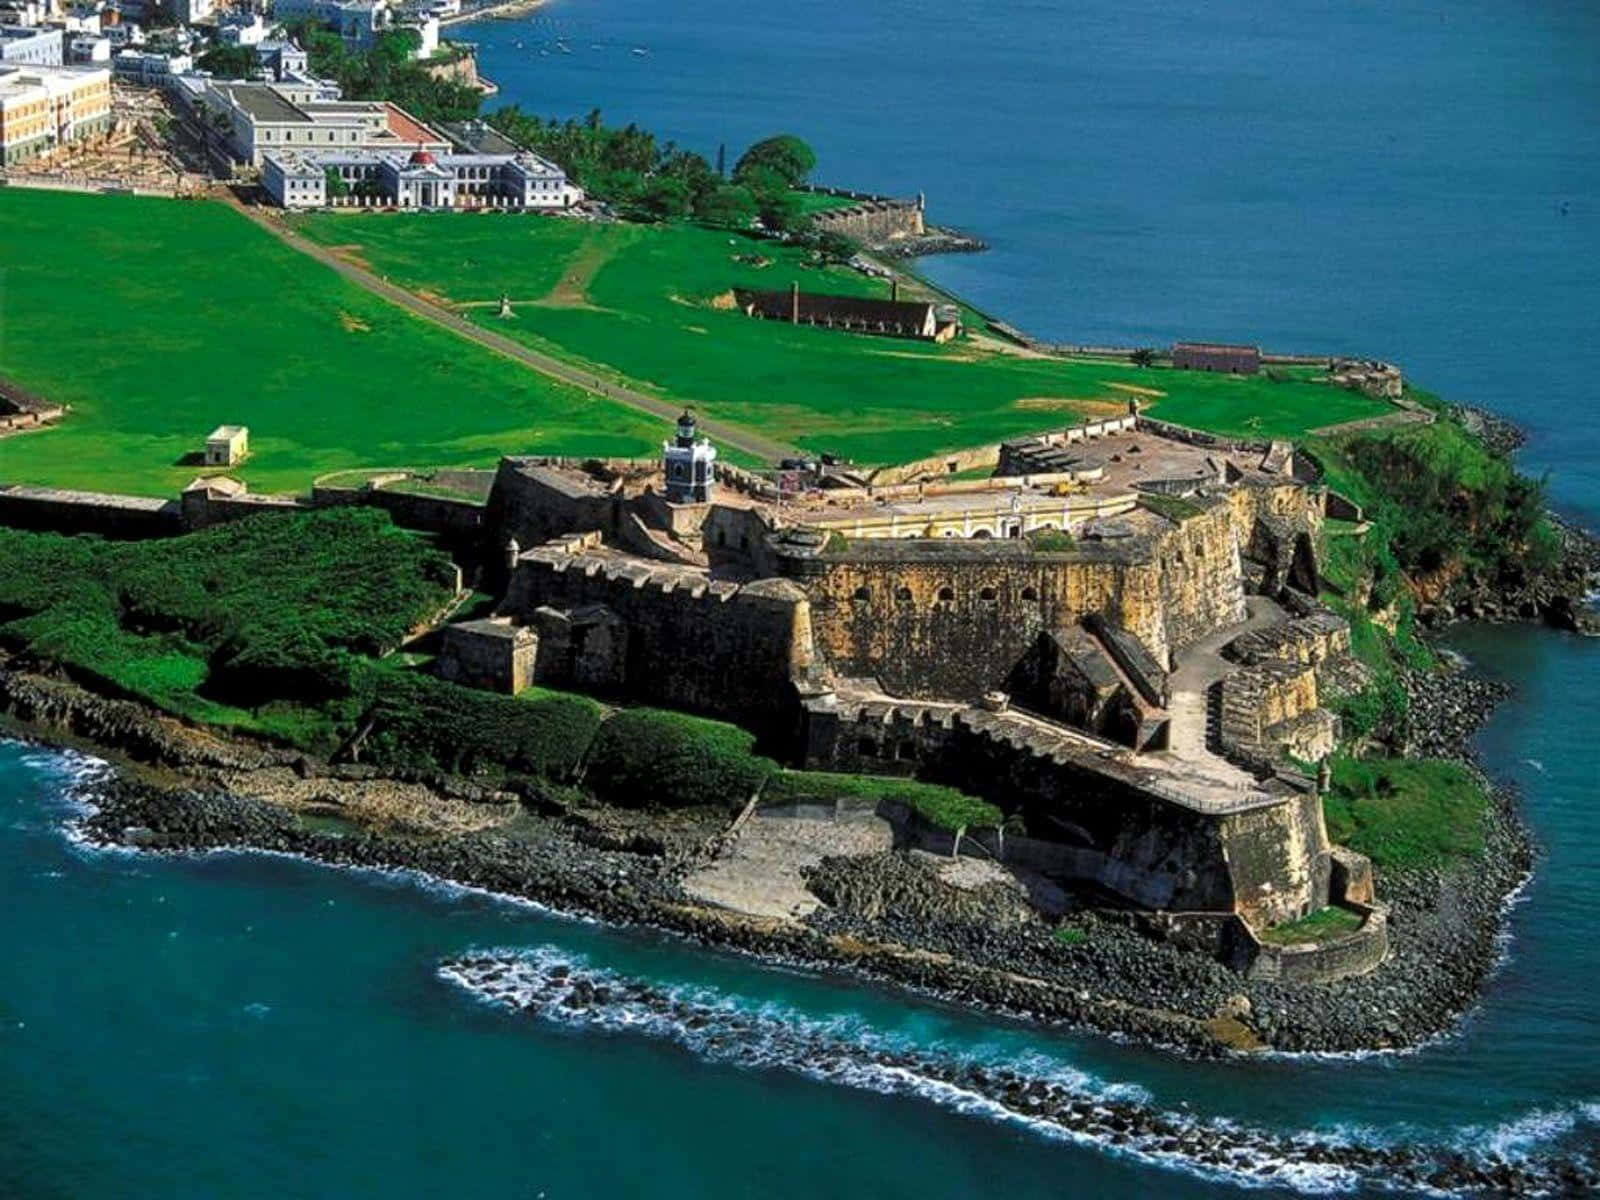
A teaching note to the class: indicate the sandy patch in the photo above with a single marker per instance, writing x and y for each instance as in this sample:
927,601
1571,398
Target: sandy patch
1134,388
380,804
941,354
351,253
572,289
353,324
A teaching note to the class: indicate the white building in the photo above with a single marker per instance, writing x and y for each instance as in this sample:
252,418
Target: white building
90,48
30,46
419,179
243,29
29,14
149,68
427,29
190,12
356,21
256,119
124,35
689,463
86,21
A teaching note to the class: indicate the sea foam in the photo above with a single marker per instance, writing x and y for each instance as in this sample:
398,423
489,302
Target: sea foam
1043,1094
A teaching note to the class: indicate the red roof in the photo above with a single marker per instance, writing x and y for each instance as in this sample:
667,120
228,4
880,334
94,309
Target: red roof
406,128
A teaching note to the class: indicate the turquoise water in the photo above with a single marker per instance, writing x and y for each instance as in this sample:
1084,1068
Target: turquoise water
1386,178
245,1025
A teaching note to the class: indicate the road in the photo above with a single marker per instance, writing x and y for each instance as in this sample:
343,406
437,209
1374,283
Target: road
764,449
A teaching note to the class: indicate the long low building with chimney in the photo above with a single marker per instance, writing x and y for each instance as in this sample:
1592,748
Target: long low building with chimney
919,319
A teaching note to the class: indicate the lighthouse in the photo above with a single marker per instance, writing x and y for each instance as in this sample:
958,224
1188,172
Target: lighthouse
689,463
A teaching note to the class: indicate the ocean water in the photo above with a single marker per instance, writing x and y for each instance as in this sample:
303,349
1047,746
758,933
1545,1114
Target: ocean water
1415,180
1382,178
236,1025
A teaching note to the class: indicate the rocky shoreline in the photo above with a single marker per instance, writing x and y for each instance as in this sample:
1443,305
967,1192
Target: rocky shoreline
964,946
1497,433
1444,927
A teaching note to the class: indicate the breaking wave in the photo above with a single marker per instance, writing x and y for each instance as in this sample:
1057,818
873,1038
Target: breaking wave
1033,1090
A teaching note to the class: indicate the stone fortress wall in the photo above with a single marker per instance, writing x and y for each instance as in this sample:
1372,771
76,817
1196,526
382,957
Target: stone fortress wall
879,653
662,636
873,219
1091,811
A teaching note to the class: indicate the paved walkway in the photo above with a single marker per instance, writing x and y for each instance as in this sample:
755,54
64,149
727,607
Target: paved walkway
1199,667
739,439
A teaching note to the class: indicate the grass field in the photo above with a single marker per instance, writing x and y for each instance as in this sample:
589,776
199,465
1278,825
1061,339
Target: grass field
1324,925
643,301
158,320
815,202
1404,813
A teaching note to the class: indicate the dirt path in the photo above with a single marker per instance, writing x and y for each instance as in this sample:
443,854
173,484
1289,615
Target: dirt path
728,435
572,289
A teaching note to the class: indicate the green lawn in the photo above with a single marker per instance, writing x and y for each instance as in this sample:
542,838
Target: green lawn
942,806
158,320
1324,925
815,202
1405,813
643,301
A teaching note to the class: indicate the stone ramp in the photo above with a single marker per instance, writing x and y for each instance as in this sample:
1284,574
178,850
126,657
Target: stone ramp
761,876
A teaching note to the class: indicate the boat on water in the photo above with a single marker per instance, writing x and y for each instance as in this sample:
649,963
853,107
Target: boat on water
640,50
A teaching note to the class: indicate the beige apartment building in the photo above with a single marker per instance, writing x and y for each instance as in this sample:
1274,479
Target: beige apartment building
42,108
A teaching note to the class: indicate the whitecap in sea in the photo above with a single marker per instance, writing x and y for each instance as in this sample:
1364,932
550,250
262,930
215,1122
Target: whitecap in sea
1050,1097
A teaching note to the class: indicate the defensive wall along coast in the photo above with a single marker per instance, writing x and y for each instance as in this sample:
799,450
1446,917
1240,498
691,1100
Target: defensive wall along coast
1147,831
1154,832
666,636
860,629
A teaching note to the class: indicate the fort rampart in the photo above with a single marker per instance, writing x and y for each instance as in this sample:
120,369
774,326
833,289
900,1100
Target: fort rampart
1090,813
949,618
738,650
873,221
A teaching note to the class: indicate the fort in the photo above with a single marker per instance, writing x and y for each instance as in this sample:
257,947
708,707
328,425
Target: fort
1114,639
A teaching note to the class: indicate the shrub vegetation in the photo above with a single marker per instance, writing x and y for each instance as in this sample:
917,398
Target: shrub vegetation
1324,925
423,724
650,756
274,610
942,806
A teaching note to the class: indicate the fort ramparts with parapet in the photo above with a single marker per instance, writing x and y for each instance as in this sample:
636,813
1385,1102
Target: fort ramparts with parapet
1114,639
1059,642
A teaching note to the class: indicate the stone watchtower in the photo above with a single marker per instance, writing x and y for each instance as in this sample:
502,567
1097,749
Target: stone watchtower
689,464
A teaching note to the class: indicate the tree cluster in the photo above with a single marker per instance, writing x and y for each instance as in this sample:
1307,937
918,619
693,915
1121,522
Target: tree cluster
230,62
386,72
629,168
